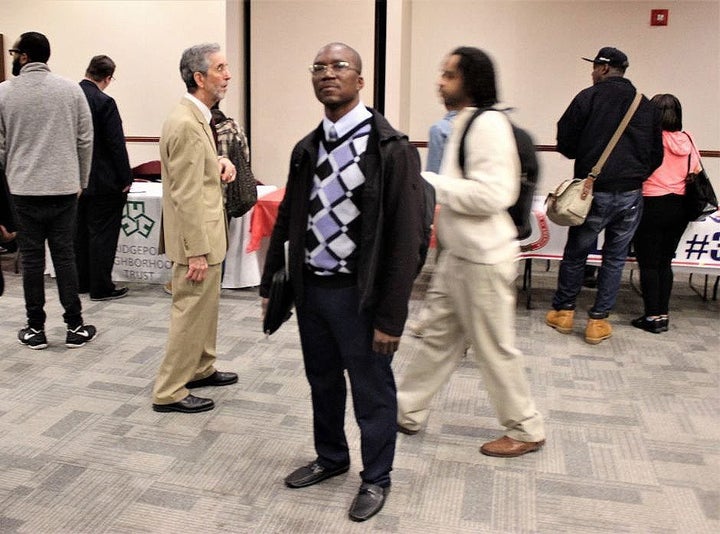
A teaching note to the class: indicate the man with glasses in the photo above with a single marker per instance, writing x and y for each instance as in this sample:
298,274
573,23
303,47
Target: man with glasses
195,234
352,215
46,141
101,204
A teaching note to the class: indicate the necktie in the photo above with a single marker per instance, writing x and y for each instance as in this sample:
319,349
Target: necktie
332,134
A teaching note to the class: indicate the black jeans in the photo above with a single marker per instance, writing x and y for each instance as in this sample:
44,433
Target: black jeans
98,230
661,227
50,218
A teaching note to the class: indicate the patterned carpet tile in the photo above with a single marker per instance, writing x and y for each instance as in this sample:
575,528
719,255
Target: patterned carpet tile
633,439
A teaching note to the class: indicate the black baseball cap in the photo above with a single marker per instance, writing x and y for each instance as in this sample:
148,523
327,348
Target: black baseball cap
610,56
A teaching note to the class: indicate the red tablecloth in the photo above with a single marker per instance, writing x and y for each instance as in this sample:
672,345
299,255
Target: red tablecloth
263,218
265,213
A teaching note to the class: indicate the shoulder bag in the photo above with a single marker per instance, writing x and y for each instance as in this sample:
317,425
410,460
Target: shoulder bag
241,193
700,199
570,203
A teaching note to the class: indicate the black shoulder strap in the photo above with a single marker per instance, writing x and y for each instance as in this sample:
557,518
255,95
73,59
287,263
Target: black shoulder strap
461,152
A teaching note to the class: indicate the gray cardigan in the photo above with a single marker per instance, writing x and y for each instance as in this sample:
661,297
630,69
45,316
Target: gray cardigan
46,133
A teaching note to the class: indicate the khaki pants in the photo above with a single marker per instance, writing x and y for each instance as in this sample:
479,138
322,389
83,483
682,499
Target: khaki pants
190,350
476,301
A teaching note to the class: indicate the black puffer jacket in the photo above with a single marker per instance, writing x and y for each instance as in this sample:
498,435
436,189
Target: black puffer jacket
589,122
392,223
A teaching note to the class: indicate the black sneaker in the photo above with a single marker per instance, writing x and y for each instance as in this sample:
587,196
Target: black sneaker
77,337
35,339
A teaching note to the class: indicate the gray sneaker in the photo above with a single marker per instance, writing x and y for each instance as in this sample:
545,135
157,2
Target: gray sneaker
77,337
35,339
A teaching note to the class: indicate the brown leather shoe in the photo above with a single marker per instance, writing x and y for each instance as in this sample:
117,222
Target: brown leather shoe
560,320
507,447
597,330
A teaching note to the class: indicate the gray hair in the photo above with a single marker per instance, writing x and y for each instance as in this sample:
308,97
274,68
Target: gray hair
196,59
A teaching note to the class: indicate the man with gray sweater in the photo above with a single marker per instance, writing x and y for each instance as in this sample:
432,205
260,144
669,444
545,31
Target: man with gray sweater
46,141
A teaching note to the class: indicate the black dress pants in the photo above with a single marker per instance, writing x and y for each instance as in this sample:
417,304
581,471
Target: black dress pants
335,338
96,239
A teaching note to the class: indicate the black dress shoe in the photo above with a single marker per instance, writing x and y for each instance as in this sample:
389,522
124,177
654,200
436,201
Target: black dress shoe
117,293
218,378
368,502
407,431
312,473
654,326
190,404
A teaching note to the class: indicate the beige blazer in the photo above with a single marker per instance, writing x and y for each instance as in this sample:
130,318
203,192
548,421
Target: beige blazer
194,222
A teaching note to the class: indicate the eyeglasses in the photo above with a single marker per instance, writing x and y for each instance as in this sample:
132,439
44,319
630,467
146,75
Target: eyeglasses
337,67
12,51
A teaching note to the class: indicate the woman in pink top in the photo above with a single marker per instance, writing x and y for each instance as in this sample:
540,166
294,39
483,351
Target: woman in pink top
663,220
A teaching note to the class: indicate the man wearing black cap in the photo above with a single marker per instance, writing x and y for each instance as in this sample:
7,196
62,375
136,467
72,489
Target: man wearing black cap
583,132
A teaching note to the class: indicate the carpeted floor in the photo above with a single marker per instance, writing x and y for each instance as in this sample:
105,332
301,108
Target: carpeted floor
633,435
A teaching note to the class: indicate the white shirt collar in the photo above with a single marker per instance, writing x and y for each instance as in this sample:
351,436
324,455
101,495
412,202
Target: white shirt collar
201,106
348,121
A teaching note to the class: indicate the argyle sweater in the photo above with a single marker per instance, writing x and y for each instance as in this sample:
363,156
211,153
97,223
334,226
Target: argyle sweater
333,227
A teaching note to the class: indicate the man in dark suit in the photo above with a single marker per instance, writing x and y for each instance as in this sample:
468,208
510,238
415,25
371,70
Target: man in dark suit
101,204
194,234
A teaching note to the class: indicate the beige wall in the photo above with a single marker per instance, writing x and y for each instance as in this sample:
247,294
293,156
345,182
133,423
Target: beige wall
145,39
286,35
536,45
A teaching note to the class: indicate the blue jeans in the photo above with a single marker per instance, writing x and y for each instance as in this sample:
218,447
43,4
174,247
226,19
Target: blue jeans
50,218
619,215
336,337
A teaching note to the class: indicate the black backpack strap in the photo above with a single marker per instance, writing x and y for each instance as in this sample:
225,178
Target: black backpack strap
461,153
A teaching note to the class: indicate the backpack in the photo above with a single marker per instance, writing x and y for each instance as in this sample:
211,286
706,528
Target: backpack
529,171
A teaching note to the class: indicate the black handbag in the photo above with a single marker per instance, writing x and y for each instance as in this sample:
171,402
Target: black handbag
280,302
241,193
700,199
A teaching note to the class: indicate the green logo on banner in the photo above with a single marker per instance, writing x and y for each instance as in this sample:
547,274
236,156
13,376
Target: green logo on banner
135,221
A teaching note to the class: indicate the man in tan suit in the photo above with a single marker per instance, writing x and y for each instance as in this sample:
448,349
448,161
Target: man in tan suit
195,234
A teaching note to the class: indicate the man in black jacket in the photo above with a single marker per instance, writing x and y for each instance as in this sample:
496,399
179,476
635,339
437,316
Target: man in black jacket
101,204
352,214
583,132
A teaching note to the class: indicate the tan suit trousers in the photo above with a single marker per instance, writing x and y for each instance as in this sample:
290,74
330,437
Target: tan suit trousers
190,352
477,302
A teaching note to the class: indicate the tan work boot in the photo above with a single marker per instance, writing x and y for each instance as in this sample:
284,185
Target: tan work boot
560,320
597,330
